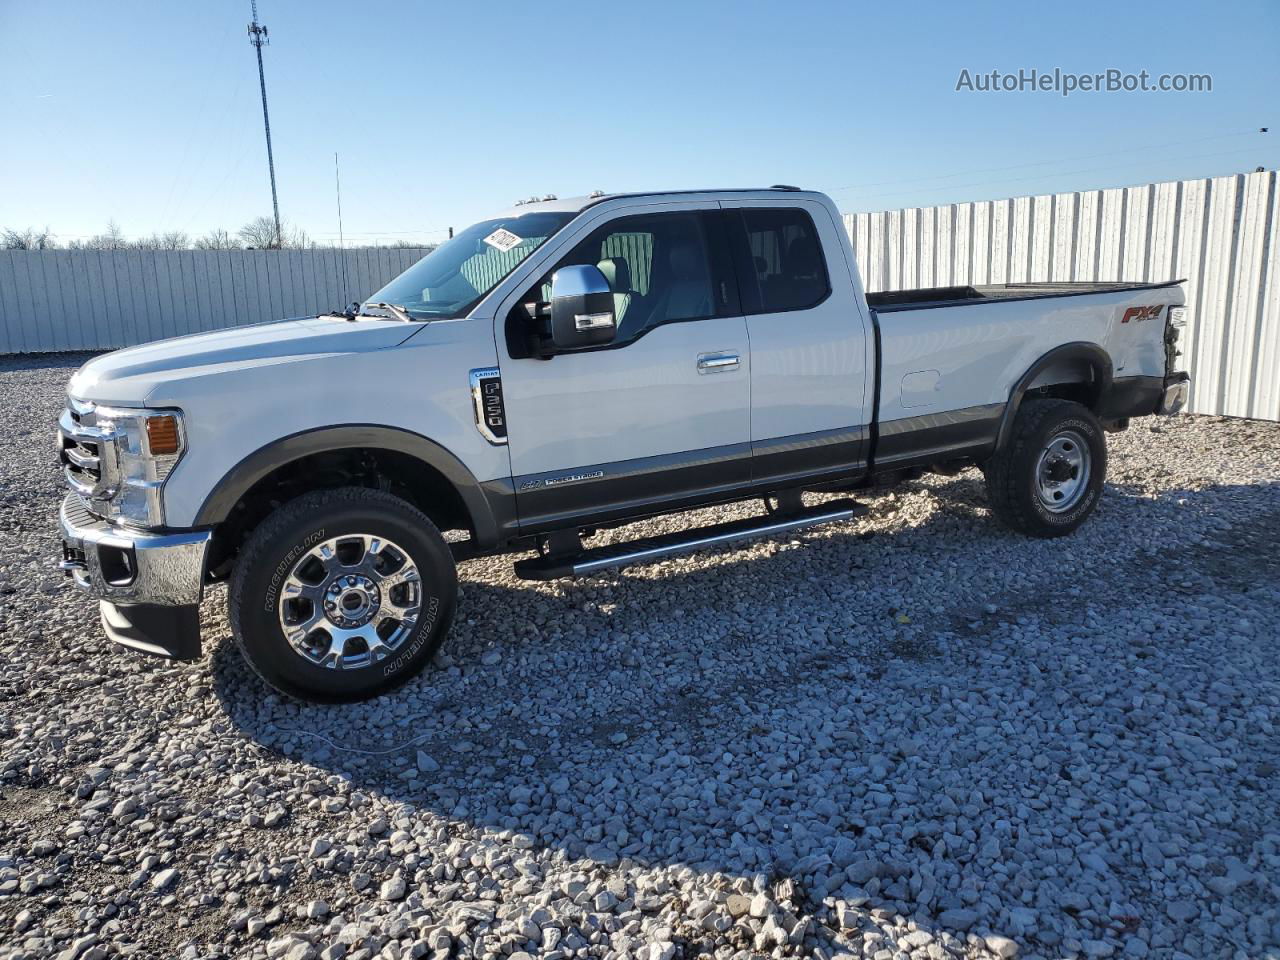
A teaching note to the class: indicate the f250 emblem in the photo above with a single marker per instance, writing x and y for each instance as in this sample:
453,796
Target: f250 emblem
1138,314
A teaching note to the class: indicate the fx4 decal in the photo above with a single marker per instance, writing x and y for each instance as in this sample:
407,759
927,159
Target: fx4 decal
1138,314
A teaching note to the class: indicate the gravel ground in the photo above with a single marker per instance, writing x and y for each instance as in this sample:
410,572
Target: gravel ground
915,736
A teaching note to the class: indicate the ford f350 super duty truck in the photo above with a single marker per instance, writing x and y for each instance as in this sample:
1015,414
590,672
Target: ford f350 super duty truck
565,366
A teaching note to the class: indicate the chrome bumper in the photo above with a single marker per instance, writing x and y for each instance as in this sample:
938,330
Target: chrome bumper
131,566
1175,393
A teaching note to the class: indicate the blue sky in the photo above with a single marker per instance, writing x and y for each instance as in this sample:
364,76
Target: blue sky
148,113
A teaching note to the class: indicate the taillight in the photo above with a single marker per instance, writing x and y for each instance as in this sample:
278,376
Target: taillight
1174,326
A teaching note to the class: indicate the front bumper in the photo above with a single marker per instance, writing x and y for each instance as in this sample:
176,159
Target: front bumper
149,583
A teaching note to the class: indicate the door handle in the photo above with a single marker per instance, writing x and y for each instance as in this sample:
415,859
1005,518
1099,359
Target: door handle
717,362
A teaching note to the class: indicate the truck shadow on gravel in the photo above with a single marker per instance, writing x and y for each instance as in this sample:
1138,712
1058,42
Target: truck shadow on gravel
893,737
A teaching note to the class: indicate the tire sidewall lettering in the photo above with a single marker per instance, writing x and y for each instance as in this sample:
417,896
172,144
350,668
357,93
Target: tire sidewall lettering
426,626
1086,505
1065,519
285,565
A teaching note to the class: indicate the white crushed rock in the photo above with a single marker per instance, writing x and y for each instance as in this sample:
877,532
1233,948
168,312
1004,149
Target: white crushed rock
916,736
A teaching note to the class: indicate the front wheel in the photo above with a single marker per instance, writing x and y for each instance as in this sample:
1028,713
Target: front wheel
343,594
1048,478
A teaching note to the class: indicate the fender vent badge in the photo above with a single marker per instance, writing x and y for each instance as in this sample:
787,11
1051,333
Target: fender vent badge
486,400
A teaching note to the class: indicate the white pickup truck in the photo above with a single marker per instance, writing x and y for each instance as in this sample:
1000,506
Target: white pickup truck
565,366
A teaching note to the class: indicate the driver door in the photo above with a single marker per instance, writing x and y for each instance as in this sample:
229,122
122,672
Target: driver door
659,416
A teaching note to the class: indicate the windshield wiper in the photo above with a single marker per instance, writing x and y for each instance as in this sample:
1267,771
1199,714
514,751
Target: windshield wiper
348,313
395,309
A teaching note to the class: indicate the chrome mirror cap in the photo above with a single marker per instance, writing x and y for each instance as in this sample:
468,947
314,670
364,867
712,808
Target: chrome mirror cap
583,312
578,281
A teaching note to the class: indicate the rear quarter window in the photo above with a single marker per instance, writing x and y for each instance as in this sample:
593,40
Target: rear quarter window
780,262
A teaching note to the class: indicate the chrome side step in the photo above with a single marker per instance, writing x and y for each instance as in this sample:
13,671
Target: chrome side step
553,566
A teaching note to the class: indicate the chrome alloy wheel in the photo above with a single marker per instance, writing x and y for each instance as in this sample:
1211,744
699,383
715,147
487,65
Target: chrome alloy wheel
350,601
1062,472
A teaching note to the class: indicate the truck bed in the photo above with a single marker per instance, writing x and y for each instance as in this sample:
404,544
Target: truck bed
890,301
946,375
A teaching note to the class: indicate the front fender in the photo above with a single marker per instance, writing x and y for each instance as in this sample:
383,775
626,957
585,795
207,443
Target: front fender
257,465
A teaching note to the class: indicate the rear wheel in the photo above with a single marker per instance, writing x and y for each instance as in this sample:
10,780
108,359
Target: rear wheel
342,595
1047,479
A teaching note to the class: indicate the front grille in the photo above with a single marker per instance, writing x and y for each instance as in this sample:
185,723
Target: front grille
83,460
86,451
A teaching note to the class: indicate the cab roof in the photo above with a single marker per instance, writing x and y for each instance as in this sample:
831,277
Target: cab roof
552,204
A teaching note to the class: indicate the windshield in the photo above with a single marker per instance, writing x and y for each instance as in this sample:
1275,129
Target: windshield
448,281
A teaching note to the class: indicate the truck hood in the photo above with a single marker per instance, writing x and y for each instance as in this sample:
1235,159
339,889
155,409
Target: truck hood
149,374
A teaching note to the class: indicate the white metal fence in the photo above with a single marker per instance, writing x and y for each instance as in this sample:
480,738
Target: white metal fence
1219,234
94,300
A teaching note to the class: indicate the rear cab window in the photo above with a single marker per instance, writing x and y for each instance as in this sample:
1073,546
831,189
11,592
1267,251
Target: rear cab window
781,267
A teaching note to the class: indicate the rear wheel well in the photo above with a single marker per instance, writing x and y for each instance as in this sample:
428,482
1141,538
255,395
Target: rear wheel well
400,474
1079,372
1085,393
1077,379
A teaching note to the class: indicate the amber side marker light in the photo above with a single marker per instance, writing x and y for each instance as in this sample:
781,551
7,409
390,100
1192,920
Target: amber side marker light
162,435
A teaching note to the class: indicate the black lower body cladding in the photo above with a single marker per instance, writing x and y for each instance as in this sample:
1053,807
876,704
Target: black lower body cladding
1131,397
969,433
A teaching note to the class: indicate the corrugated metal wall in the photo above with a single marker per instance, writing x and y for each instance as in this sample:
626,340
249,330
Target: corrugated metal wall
92,300
1220,234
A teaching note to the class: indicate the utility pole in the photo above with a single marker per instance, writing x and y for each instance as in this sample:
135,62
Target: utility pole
258,37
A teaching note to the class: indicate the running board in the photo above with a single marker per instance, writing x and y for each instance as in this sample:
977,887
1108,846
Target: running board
550,567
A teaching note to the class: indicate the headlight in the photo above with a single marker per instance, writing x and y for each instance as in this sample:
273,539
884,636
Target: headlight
148,445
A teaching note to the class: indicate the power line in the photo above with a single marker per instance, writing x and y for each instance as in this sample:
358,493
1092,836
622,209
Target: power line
181,171
218,143
1058,173
1145,151
258,38
337,187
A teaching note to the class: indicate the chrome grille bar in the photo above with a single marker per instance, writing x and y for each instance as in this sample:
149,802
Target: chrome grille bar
83,461
87,452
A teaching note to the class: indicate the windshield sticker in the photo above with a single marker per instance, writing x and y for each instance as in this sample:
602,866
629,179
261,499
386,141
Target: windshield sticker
503,240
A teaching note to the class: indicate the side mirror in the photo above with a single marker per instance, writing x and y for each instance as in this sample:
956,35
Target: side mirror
581,308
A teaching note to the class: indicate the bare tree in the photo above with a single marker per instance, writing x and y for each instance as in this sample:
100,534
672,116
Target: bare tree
28,239
216,240
170,240
112,238
260,233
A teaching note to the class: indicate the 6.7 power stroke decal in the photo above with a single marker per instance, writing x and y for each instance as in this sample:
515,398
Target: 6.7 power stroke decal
557,481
